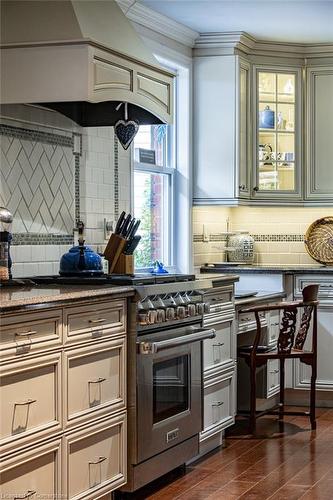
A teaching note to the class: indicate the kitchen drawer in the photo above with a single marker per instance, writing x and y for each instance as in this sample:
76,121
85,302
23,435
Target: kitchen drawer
247,322
325,282
30,394
21,334
219,410
33,474
273,377
95,459
221,306
220,350
95,380
94,321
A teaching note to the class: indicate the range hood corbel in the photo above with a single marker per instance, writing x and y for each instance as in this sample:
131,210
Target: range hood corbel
81,59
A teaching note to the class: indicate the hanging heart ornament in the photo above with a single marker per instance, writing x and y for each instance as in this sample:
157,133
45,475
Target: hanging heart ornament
126,130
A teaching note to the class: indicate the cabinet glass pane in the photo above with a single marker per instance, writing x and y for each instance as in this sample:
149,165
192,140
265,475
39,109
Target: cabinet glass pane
267,87
286,88
285,117
276,132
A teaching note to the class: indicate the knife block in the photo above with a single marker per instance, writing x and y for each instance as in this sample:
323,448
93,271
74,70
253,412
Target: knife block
113,250
124,265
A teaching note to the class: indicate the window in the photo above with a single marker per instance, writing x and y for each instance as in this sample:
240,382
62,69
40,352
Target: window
153,193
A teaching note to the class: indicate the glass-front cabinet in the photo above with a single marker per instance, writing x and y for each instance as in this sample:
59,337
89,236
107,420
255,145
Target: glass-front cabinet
277,169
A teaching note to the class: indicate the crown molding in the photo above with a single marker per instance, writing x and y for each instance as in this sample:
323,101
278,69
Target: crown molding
157,22
240,42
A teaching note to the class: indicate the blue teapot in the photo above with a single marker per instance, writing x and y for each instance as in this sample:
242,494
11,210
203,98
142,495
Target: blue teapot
80,259
267,118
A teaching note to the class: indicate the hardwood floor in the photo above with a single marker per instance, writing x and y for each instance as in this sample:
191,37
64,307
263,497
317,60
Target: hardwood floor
288,462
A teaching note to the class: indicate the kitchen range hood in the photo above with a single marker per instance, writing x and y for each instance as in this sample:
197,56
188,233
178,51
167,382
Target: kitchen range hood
81,58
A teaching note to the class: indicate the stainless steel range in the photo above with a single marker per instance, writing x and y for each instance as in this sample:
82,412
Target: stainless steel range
164,378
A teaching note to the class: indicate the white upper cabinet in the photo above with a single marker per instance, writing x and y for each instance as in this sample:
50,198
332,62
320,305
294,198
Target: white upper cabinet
319,185
221,129
263,122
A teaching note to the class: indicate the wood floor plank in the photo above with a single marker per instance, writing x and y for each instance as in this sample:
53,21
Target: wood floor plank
288,462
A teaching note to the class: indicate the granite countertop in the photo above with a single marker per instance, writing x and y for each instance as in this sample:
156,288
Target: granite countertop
21,298
269,269
259,298
217,277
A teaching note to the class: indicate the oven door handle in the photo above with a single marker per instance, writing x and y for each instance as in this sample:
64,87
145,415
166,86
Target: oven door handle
153,347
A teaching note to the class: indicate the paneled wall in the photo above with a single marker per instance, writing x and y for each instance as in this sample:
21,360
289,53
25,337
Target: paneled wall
52,174
278,232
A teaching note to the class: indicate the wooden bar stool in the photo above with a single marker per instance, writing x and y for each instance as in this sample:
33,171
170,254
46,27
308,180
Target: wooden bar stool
289,346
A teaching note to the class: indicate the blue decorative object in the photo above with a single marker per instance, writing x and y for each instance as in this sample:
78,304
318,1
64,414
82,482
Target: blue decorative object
80,260
158,268
267,118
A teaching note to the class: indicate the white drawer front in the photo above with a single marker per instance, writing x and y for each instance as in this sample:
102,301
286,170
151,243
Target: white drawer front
218,405
95,321
95,459
274,327
247,322
30,399
325,282
220,349
35,474
273,377
30,332
95,379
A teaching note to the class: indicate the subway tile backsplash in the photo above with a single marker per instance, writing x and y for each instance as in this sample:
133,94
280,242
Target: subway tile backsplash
278,232
65,173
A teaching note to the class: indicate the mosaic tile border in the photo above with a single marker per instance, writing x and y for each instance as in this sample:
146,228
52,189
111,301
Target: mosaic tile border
272,238
116,177
58,140
42,239
37,135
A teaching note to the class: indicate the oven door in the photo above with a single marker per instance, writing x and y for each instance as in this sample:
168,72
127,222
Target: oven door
169,388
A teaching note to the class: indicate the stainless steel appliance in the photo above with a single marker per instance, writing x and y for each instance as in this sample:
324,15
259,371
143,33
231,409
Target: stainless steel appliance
6,219
164,377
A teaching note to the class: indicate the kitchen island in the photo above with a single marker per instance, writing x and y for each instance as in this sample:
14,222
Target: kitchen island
63,390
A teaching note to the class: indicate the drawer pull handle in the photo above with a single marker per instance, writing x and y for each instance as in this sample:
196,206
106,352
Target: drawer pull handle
27,402
98,461
97,381
274,371
219,344
28,494
24,334
217,403
96,321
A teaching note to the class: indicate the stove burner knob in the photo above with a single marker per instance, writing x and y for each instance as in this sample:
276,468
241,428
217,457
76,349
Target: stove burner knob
206,307
181,312
161,317
170,313
191,309
200,306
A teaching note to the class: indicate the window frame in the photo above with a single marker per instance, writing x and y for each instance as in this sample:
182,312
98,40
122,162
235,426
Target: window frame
169,200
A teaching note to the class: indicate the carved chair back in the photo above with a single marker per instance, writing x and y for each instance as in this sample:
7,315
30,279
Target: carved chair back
288,338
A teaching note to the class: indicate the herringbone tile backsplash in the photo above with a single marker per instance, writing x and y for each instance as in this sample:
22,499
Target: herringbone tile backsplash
37,182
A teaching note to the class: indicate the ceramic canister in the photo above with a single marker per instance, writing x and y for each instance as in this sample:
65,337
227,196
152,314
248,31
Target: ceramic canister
240,247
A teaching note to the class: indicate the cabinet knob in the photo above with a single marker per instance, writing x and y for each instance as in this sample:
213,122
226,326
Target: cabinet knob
242,187
255,188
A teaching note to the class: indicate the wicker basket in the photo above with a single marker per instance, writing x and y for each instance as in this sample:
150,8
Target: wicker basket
319,240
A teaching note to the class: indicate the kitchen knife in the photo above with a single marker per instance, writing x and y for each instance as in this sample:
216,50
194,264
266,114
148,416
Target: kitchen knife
130,227
125,225
132,244
133,229
120,222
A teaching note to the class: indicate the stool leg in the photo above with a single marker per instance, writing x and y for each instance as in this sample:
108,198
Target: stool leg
253,395
313,396
281,405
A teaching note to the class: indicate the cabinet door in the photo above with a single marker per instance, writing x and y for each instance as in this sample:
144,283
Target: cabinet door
325,349
319,181
244,132
277,154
